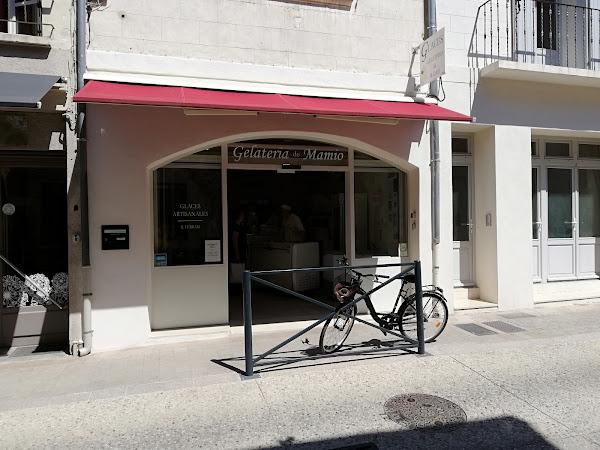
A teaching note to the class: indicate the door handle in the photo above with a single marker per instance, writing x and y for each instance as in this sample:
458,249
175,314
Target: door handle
470,225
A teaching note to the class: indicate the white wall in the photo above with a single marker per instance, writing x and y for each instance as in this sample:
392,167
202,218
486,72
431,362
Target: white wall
189,296
484,193
513,215
502,177
374,36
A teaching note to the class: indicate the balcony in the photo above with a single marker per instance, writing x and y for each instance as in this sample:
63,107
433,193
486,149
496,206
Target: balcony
538,40
21,22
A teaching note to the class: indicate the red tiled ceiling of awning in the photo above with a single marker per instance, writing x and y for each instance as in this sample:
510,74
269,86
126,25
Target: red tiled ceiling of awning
185,97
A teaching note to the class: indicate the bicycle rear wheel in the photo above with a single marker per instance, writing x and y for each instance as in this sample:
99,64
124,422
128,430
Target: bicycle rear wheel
336,330
435,316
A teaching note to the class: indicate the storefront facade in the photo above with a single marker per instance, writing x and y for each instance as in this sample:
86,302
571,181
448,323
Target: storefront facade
37,187
152,153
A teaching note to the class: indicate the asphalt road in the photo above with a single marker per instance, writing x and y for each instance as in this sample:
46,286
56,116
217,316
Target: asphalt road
535,394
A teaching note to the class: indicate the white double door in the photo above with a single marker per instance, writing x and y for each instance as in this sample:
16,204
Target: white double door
566,222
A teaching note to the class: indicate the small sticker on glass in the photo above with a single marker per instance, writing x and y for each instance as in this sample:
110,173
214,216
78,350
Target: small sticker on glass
160,259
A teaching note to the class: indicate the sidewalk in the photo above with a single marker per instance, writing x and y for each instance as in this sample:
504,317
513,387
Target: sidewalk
537,381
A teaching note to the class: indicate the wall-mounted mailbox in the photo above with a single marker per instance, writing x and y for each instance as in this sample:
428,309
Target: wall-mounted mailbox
115,237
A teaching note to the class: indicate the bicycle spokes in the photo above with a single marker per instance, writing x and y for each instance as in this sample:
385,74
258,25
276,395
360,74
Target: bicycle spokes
435,317
340,323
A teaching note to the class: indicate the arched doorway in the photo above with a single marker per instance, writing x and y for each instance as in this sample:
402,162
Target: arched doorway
264,204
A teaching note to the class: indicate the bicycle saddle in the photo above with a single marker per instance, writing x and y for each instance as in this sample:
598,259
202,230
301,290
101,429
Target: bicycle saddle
410,278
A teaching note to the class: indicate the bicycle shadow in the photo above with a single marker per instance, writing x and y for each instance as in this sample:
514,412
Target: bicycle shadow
312,356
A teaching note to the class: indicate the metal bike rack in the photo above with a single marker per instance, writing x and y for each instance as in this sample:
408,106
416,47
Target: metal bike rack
250,276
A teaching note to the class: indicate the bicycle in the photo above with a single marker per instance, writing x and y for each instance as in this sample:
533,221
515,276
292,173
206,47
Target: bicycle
403,316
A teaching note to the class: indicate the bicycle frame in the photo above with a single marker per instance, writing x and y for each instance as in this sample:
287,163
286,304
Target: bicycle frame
402,294
379,318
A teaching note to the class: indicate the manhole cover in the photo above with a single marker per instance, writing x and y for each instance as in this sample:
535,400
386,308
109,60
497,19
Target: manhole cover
424,411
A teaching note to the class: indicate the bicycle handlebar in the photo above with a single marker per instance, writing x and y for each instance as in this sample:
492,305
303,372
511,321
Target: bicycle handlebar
344,262
374,275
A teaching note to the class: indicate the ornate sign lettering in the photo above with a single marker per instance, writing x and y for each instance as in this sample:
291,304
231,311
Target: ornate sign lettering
271,154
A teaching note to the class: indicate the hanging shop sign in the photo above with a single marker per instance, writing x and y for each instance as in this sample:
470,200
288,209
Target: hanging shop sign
293,155
433,57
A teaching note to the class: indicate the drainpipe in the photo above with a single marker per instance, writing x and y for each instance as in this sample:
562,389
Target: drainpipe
86,346
431,29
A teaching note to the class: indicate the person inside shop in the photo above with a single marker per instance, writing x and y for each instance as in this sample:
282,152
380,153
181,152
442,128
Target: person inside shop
292,229
238,237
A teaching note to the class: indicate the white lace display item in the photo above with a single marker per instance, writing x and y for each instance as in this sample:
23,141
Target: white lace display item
60,288
19,293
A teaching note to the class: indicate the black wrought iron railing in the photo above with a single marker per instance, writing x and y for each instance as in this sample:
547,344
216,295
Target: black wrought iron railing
539,32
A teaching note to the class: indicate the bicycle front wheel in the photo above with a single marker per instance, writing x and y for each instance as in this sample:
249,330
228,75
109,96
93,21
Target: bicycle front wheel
336,330
435,316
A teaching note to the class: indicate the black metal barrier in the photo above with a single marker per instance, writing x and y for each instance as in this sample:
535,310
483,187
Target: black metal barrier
249,276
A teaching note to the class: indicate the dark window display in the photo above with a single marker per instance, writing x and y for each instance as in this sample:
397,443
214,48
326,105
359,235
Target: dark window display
188,228
33,226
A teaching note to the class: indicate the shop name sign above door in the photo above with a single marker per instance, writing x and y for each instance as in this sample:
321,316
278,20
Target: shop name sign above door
282,154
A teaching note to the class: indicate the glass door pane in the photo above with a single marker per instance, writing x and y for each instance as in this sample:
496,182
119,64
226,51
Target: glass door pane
560,203
535,203
460,203
589,203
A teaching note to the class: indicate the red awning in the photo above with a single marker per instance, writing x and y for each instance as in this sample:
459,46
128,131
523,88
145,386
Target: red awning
185,97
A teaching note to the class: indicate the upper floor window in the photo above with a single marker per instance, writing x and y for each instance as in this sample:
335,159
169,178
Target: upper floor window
558,150
21,17
546,25
460,146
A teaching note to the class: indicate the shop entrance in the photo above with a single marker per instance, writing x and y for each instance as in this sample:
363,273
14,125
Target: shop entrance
33,230
283,220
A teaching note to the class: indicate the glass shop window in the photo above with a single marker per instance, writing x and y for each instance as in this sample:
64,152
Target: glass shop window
33,225
591,151
558,150
460,146
380,212
188,220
